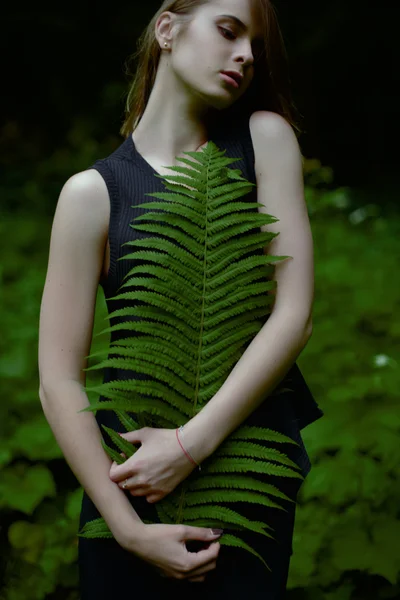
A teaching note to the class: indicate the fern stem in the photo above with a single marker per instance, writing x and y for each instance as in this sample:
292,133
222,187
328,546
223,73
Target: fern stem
203,298
181,506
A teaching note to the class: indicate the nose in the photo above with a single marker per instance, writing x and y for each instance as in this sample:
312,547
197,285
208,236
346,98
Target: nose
244,53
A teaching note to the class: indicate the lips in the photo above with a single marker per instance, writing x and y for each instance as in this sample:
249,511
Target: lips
238,77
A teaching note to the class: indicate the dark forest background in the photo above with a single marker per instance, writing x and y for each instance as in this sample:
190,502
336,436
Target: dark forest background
62,102
57,61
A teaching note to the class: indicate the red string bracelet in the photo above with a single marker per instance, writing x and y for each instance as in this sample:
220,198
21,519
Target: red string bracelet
185,451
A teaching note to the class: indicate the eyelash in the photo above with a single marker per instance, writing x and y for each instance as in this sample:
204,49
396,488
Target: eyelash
227,31
256,53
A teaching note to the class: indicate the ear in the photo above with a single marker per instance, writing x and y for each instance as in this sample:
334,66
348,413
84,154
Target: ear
163,28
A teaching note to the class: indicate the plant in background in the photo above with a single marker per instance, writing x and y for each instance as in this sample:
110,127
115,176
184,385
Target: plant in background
204,289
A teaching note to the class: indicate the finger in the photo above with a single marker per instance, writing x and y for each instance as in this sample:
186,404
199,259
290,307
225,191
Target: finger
118,473
152,498
120,476
128,484
197,578
135,437
204,557
204,569
124,485
201,533
138,491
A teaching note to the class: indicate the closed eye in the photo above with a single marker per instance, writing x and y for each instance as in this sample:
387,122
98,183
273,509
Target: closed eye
257,51
227,31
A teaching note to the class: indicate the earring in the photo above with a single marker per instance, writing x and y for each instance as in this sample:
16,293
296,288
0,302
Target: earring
166,44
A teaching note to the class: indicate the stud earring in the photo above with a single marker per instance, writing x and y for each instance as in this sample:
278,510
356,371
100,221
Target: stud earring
166,44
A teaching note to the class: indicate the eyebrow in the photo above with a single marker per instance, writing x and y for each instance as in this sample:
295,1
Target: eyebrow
238,22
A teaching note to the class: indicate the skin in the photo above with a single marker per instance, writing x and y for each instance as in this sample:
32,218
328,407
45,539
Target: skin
188,88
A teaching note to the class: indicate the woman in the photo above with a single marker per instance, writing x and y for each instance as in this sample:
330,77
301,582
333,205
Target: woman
208,69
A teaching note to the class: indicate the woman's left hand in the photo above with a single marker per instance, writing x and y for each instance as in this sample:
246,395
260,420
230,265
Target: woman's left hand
156,468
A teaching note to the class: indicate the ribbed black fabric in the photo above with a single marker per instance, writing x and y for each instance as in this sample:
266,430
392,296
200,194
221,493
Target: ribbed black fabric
106,570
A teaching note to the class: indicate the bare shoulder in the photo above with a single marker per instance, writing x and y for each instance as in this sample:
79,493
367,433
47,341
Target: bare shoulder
270,124
87,190
84,203
273,138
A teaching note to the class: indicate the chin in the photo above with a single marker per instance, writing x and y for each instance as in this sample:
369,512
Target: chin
221,101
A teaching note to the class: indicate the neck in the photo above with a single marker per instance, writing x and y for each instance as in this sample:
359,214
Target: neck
172,122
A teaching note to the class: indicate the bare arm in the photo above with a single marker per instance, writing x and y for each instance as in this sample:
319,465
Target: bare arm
277,345
78,238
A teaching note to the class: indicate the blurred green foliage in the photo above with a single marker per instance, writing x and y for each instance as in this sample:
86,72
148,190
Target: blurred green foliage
346,543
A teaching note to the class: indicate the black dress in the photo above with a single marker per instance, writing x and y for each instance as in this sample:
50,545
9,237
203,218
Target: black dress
106,570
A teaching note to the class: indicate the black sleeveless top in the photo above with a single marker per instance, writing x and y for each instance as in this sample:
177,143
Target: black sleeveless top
129,177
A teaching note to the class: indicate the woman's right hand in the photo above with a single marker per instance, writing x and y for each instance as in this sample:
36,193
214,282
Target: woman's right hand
164,546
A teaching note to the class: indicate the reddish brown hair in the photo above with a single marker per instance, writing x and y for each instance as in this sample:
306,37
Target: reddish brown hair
269,89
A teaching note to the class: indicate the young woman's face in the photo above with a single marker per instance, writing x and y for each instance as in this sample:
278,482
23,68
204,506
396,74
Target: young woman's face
215,41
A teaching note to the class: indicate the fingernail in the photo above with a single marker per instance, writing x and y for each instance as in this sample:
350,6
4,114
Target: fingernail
217,531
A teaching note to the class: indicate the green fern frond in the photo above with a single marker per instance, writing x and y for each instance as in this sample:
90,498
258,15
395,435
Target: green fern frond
120,442
231,540
164,516
235,448
112,453
97,528
151,407
127,421
170,326
189,312
265,434
220,496
148,365
154,389
226,515
168,506
237,482
145,347
247,465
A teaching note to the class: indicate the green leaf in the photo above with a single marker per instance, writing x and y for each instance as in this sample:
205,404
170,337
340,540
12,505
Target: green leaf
249,449
73,504
226,515
35,440
230,540
246,432
236,482
235,465
23,487
220,496
127,447
115,456
97,528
